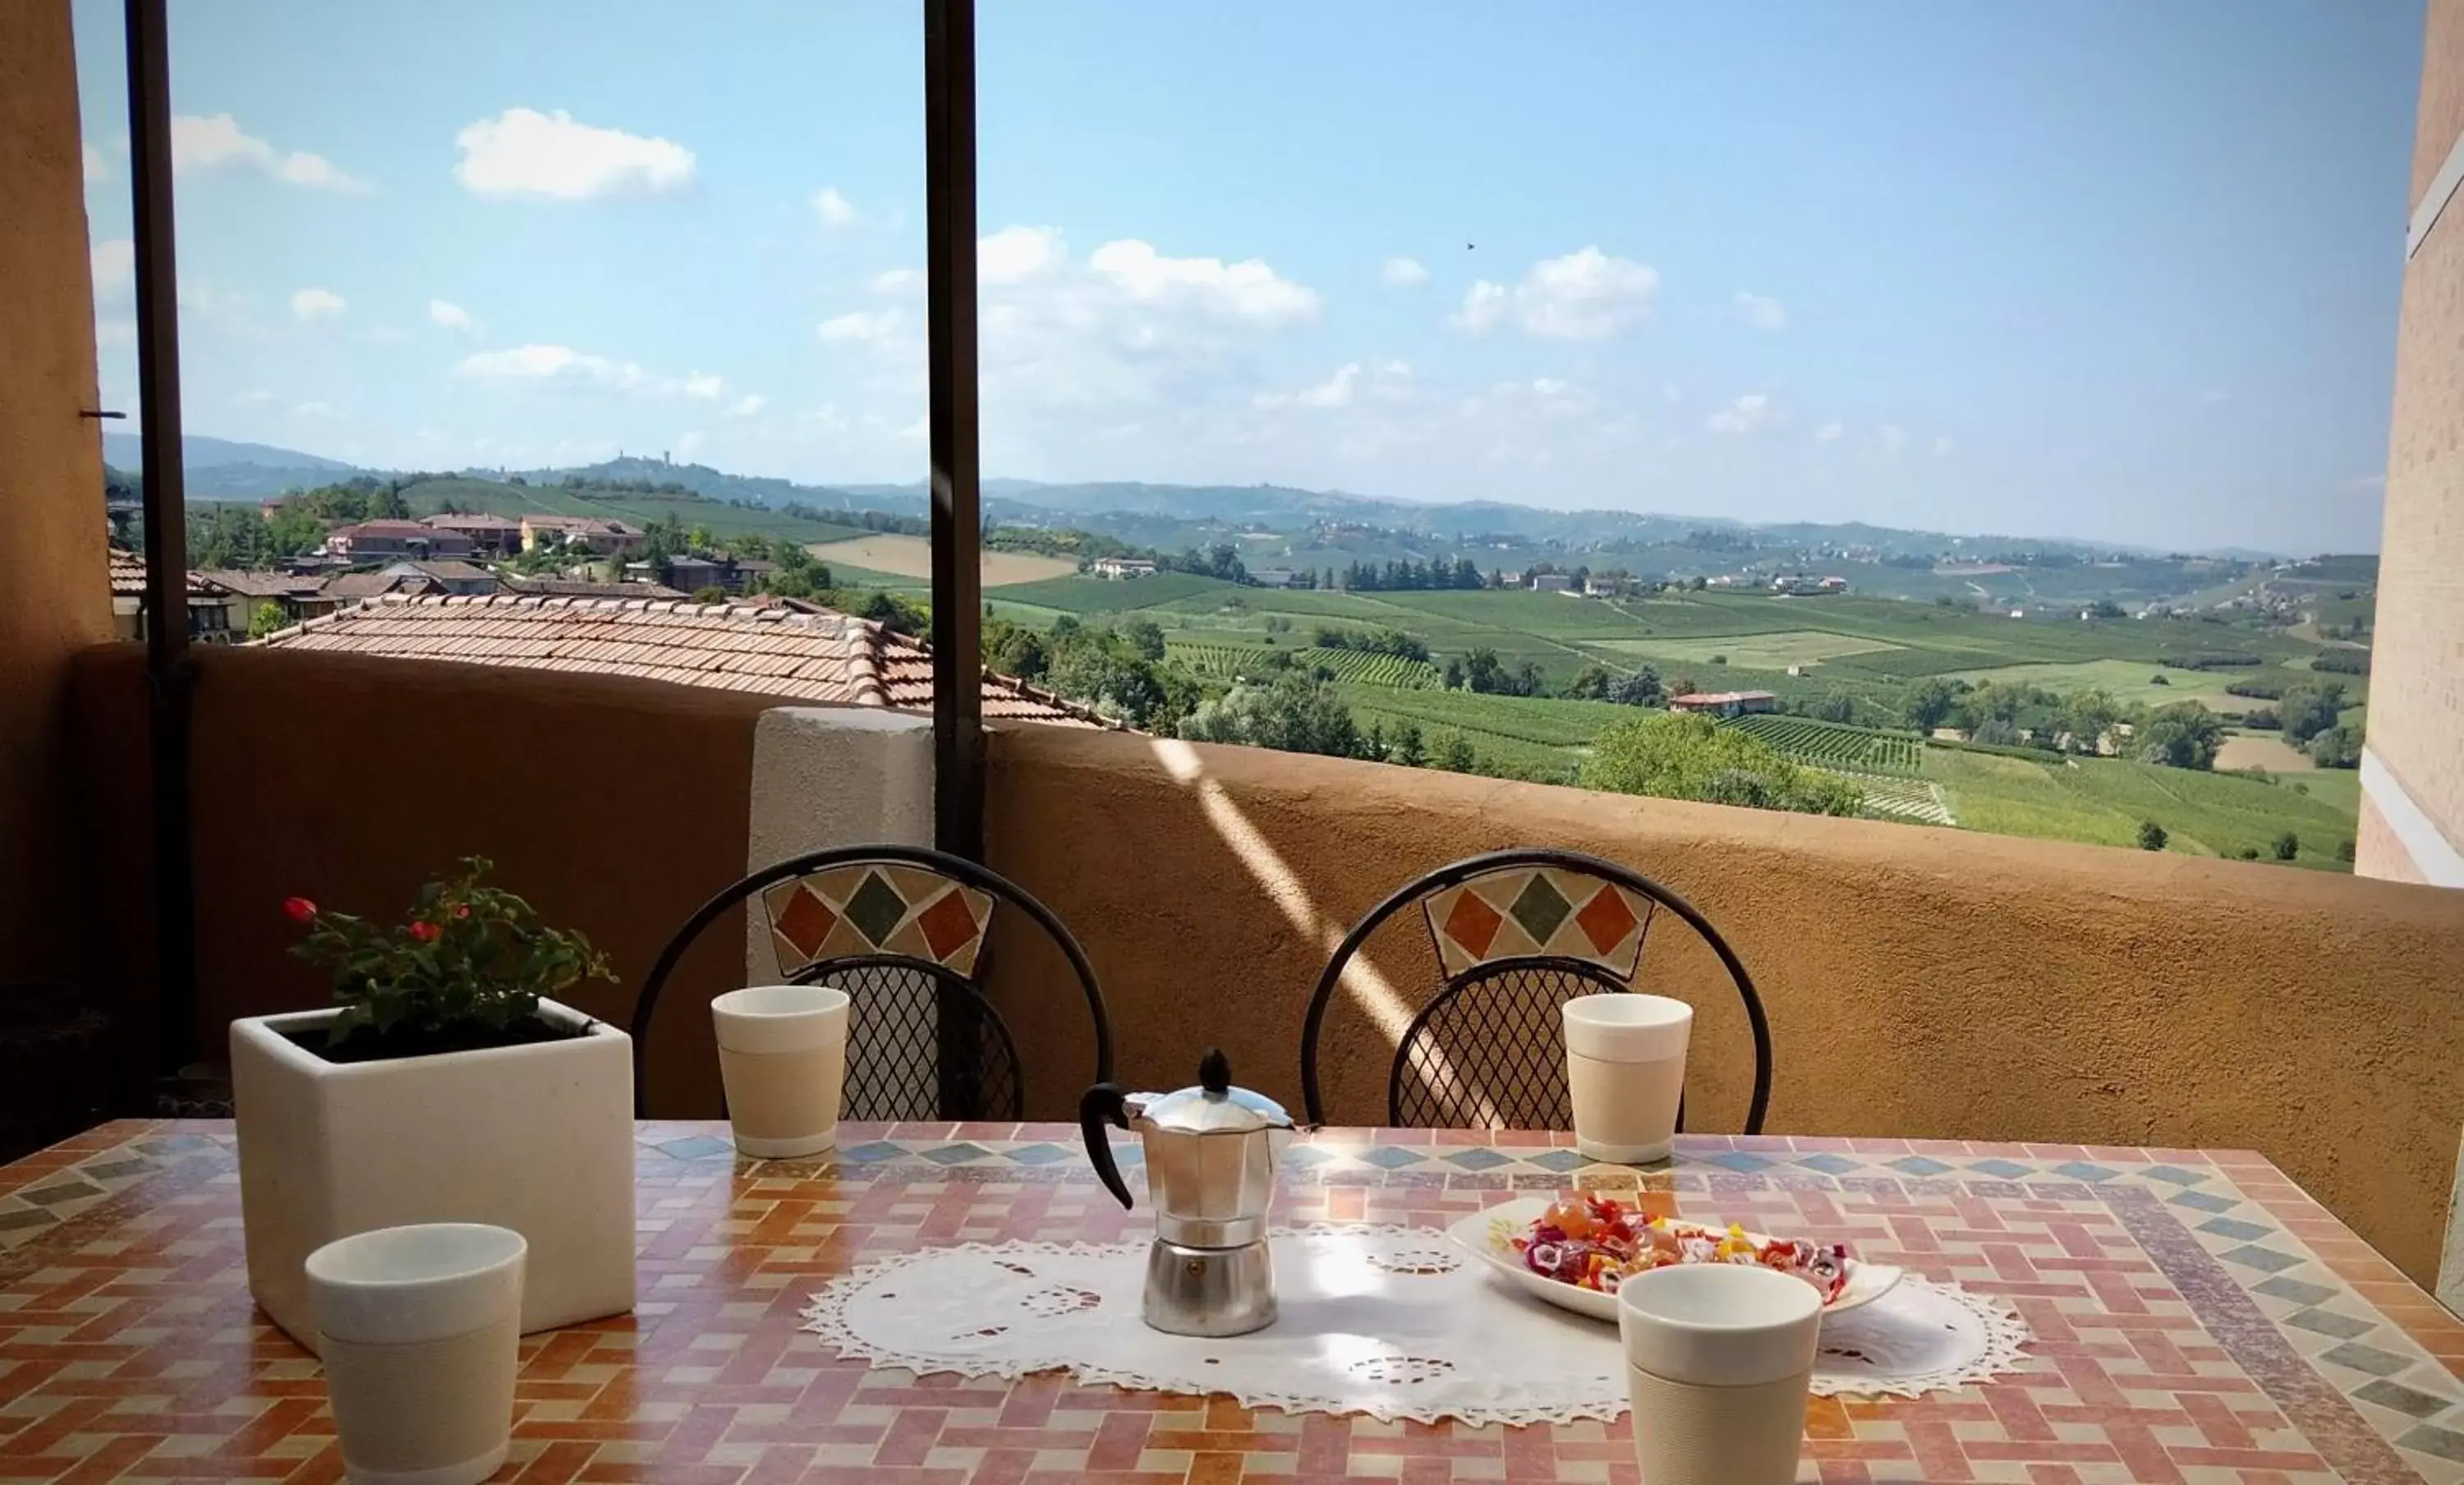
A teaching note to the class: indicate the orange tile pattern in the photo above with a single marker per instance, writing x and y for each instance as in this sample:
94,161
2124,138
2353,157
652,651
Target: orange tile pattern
821,657
2198,1319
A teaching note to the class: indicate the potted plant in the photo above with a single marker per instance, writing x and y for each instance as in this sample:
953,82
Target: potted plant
442,1085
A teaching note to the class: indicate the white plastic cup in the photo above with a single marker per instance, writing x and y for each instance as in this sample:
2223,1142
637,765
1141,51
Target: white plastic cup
782,1059
1718,1357
1625,1070
420,1329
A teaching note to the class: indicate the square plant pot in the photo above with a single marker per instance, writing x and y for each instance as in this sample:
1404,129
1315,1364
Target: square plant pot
539,1138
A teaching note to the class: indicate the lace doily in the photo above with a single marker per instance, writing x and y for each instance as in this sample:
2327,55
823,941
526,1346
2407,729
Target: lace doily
1388,1321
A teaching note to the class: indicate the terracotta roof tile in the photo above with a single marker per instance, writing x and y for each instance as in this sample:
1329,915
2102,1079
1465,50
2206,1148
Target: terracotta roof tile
822,655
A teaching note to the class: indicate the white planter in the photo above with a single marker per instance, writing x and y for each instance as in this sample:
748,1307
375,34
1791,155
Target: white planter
539,1138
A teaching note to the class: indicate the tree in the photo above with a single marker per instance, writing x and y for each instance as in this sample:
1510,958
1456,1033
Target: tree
2184,735
1291,712
2151,836
1835,705
267,619
1483,672
1453,675
702,539
1409,749
1146,637
1684,756
1373,746
2344,851
2338,748
1642,688
1455,755
713,594
2309,708
2287,846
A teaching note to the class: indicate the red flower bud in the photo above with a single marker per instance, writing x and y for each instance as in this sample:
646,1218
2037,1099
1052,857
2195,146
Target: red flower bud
462,910
301,909
425,933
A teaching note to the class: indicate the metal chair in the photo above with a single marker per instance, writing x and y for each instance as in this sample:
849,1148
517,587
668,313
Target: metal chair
1517,934
903,930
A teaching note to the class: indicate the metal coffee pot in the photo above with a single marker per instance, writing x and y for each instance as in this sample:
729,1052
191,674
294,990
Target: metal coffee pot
1210,1156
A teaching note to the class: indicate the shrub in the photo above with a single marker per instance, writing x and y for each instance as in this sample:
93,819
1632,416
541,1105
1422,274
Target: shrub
2151,836
466,968
2287,846
1681,756
2343,662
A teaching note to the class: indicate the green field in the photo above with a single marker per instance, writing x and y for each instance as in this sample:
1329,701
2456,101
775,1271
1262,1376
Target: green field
2101,801
1085,595
1830,745
2129,682
515,501
1776,651
1233,661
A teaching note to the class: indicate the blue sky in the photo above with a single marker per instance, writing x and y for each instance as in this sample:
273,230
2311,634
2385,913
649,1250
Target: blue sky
2111,270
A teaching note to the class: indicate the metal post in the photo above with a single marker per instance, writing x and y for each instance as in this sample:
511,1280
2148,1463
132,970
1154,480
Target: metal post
958,578
950,298
168,670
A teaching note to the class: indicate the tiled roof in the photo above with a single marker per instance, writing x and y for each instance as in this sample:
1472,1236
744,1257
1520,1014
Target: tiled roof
470,521
128,577
585,588
352,586
262,584
448,569
824,657
405,530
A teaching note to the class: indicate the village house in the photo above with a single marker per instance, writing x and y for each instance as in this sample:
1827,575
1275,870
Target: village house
1120,569
1724,704
393,541
296,596
494,536
602,537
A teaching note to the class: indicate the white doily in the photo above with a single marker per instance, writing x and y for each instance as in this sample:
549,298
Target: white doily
1388,1321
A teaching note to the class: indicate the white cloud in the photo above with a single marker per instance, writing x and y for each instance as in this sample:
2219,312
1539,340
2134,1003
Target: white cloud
1247,291
1831,432
114,262
1761,312
1745,415
747,405
316,409
1942,448
314,305
1584,296
704,387
523,152
900,282
97,168
1894,439
1015,254
254,397
860,326
451,315
1386,382
1404,271
836,212
215,141
552,364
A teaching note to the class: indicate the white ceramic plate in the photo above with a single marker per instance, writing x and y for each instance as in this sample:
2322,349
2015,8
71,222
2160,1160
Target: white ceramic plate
1477,1235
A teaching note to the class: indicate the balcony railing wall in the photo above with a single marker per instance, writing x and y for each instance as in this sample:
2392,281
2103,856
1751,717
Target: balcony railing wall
1921,982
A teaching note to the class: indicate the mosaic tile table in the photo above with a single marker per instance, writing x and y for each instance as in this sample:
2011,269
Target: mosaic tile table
2197,1319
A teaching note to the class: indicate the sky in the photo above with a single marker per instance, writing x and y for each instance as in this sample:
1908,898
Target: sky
2097,269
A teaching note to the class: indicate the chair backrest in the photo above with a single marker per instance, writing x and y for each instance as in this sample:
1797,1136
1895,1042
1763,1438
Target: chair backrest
904,931
1516,934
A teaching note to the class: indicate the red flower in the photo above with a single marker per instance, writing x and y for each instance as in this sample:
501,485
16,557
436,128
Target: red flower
301,909
425,933
462,910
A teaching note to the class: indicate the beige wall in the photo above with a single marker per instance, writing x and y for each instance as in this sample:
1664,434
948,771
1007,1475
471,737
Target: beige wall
2416,712
1919,982
616,806
57,597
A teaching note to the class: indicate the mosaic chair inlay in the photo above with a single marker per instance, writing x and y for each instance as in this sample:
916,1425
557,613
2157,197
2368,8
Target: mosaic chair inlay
902,930
1517,934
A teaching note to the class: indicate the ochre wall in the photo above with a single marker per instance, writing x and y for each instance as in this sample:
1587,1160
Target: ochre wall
1919,982
616,807
2417,663
57,597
